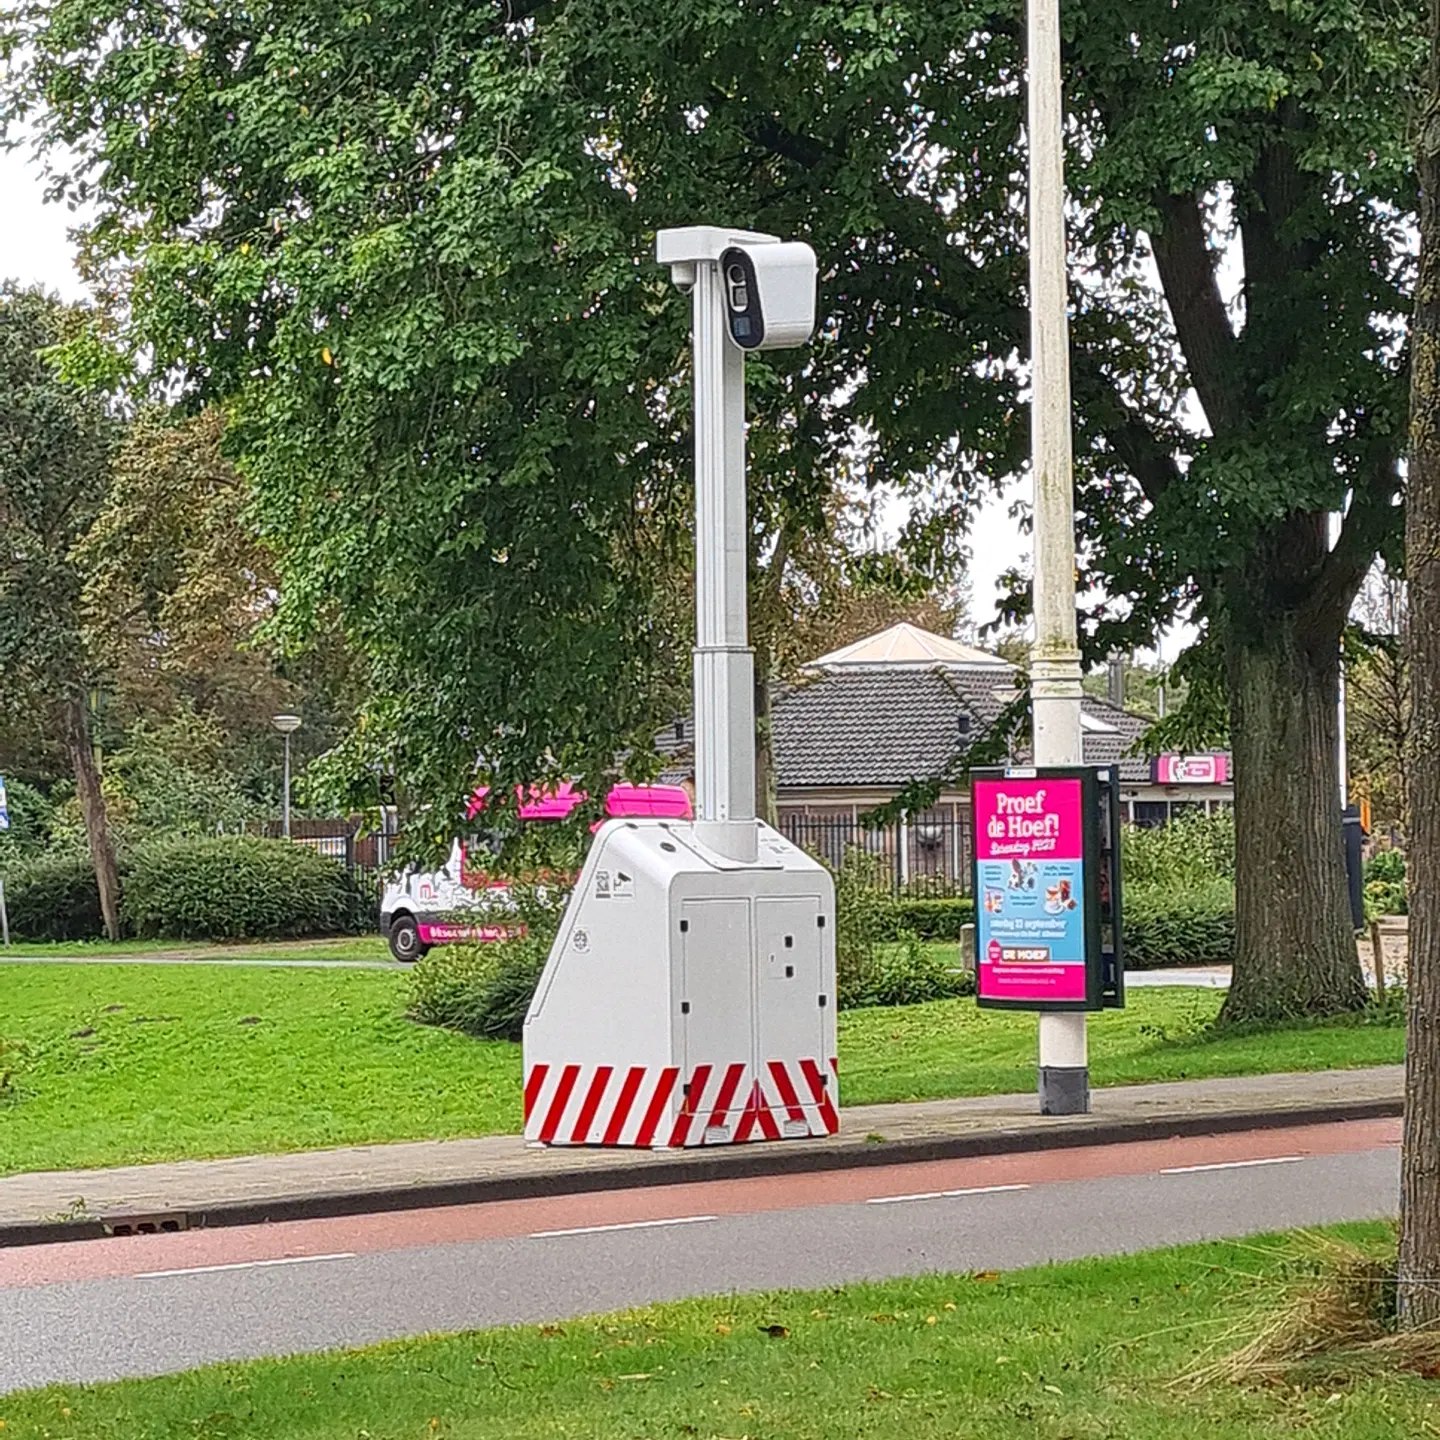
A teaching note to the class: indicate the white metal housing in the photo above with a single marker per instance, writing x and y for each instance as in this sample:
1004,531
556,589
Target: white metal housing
689,999
769,295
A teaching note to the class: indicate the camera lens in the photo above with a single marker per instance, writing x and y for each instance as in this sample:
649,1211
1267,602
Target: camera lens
735,274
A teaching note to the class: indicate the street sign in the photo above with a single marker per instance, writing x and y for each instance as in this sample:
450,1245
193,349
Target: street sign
4,806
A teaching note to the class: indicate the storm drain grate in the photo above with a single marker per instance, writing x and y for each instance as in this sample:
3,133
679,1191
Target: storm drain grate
167,1223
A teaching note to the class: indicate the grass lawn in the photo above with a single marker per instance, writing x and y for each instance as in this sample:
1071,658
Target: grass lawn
1087,1351
339,947
133,1063
922,1052
125,1064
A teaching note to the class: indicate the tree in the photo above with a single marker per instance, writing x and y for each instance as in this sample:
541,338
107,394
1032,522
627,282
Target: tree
55,445
176,584
178,595
1419,1296
415,257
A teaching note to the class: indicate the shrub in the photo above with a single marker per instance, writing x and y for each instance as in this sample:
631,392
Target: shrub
908,973
937,919
1386,897
1168,925
482,990
485,990
54,897
861,920
238,888
31,814
1386,865
928,887
1194,849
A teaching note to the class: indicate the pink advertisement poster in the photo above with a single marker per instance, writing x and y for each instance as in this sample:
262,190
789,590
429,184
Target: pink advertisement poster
1030,923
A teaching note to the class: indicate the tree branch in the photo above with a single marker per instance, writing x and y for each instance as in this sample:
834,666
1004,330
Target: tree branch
1369,520
1187,274
1136,445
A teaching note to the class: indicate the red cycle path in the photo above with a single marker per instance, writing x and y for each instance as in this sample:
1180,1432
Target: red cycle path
398,1230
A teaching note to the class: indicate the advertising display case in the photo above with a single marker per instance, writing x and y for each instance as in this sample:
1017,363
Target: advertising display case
1048,921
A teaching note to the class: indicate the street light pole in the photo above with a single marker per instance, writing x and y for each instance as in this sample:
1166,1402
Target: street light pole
1055,675
287,725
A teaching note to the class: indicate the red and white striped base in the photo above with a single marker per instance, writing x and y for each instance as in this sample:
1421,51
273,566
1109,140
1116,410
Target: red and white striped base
720,1105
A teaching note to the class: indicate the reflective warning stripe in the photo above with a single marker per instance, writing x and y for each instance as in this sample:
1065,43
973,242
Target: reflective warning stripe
641,1106
723,1101
811,1071
556,1113
621,1113
786,1087
757,1112
534,1083
581,1131
663,1090
694,1097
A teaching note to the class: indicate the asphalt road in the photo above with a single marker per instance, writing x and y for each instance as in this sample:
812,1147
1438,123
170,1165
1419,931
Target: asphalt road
104,1309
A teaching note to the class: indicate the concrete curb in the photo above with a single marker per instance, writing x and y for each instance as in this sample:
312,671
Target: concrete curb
740,1162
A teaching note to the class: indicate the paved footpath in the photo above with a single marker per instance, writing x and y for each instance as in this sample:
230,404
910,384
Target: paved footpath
75,1204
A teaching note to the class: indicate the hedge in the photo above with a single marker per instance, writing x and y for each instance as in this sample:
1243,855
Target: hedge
240,888
53,897
938,919
1165,926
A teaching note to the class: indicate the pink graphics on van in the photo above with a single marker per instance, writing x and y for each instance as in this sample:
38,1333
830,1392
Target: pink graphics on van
652,802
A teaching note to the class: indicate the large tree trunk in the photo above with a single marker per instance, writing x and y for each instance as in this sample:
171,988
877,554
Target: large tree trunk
1419,1277
81,750
1295,943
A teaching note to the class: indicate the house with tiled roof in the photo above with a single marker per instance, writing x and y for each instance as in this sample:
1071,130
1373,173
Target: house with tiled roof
862,723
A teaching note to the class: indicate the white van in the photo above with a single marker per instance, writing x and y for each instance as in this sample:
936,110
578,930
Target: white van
420,909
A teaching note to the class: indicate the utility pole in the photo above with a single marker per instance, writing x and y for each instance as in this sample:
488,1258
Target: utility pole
1335,524
1055,675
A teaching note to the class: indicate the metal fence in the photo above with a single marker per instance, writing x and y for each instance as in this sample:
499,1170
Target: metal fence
923,855
366,856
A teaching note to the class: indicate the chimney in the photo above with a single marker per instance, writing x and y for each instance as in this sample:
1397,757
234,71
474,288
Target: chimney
1115,688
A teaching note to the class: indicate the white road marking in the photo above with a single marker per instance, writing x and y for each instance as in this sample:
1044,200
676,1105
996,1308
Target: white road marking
244,1265
628,1225
1232,1165
945,1194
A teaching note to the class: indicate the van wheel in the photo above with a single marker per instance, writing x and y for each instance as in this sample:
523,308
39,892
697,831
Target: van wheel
405,943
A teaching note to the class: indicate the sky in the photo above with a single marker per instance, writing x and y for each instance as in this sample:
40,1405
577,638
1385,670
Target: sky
34,243
35,248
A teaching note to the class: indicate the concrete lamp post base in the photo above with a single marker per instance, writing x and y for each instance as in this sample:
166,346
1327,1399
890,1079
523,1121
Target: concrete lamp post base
1064,1090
